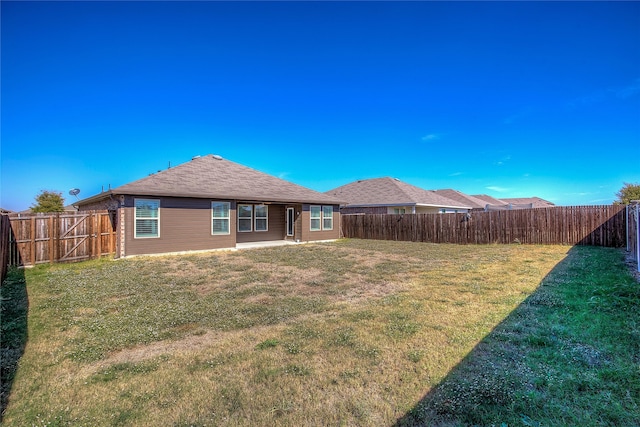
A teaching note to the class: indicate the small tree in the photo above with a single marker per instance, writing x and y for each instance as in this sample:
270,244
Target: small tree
627,193
48,201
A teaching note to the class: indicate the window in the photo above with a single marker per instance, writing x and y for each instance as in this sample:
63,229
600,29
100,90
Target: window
261,217
147,218
321,218
220,217
316,215
399,211
327,217
245,218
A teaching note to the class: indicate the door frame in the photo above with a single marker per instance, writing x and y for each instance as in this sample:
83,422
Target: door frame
290,220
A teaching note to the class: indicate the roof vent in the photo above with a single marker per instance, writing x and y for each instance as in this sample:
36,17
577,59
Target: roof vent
217,157
195,157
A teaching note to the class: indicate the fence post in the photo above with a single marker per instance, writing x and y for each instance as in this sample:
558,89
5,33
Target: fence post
637,233
52,223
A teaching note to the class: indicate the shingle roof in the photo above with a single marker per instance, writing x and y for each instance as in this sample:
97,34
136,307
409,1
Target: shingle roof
537,202
217,178
460,197
488,200
390,191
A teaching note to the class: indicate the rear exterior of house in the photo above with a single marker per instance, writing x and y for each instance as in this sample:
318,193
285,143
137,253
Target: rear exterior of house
164,213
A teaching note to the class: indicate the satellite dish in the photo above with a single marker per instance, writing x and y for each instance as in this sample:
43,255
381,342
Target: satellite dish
74,192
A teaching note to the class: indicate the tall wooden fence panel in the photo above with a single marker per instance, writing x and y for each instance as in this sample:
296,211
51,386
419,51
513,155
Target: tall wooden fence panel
633,236
566,225
61,237
5,231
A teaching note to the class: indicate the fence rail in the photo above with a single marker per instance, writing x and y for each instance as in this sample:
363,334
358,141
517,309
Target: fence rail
565,225
61,237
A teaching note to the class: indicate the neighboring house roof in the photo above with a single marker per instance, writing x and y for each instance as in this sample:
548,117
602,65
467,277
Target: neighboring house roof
537,202
460,197
5,211
217,178
390,192
67,208
488,200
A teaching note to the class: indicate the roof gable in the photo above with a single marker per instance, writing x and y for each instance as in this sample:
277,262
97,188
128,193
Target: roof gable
217,178
488,200
535,202
460,197
390,192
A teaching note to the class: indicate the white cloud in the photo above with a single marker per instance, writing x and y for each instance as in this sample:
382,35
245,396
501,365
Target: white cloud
456,174
503,160
629,91
430,137
497,189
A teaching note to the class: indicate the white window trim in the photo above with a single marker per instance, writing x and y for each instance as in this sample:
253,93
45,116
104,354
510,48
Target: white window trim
228,218
256,218
323,217
311,218
245,218
135,219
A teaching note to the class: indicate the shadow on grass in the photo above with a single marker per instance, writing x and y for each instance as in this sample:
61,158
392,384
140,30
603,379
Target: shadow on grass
566,356
14,307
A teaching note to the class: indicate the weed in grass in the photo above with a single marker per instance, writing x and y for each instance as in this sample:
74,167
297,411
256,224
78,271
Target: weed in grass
297,370
344,337
281,409
233,398
401,326
415,355
293,347
269,343
368,352
120,369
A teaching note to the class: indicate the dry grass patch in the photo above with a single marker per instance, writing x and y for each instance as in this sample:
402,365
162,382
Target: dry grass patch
347,333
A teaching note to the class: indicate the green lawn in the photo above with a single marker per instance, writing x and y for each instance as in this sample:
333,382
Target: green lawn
348,333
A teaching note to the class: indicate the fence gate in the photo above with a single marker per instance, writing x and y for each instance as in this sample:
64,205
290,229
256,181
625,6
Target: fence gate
61,237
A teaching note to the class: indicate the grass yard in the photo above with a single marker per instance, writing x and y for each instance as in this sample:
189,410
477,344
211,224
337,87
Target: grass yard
355,332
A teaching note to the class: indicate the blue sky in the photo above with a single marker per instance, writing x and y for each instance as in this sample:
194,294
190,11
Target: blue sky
510,99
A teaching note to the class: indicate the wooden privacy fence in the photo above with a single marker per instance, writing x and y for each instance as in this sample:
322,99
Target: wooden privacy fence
61,237
565,225
5,232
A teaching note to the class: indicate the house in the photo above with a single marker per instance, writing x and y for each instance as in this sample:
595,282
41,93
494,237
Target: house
29,212
212,203
488,201
392,196
459,197
527,202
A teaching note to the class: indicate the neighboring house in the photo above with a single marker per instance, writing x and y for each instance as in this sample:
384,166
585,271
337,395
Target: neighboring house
392,196
511,203
212,203
462,198
28,212
533,202
488,200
